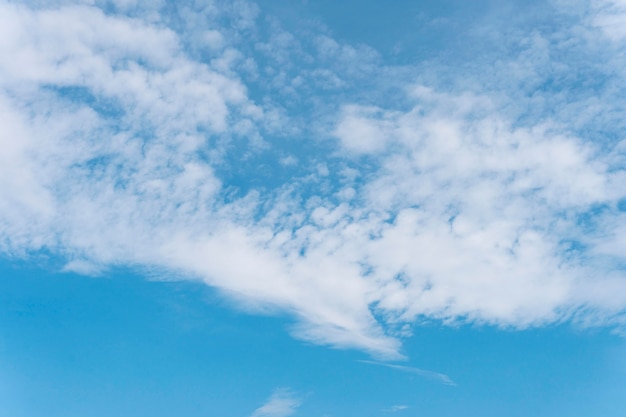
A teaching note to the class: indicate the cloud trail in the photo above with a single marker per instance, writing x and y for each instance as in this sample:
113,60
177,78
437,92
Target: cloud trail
282,403
435,376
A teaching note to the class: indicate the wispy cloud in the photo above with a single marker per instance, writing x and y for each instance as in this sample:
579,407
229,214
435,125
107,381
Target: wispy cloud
435,376
396,408
282,403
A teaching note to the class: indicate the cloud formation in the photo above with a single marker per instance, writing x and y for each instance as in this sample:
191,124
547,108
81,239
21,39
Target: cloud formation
282,403
396,408
435,376
132,136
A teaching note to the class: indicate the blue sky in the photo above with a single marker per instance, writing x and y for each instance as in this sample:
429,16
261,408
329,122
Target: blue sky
303,208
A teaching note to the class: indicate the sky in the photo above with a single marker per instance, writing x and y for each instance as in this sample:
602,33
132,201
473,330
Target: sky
312,208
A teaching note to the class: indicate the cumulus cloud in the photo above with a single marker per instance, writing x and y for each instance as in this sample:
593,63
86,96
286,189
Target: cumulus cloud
478,202
126,142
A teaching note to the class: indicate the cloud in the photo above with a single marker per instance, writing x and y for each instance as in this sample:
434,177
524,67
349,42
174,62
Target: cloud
396,408
474,203
435,376
132,138
112,140
610,17
282,403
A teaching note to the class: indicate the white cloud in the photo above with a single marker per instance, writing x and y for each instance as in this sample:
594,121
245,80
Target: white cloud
361,131
610,17
436,376
138,187
118,142
396,408
481,238
282,403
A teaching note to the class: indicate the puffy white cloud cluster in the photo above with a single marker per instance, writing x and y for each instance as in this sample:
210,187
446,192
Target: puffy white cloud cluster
104,117
114,134
486,216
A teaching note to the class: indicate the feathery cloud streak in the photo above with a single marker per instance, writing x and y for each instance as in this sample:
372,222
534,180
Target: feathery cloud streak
282,403
436,376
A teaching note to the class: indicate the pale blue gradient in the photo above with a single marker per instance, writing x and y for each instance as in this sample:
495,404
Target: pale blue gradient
121,345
